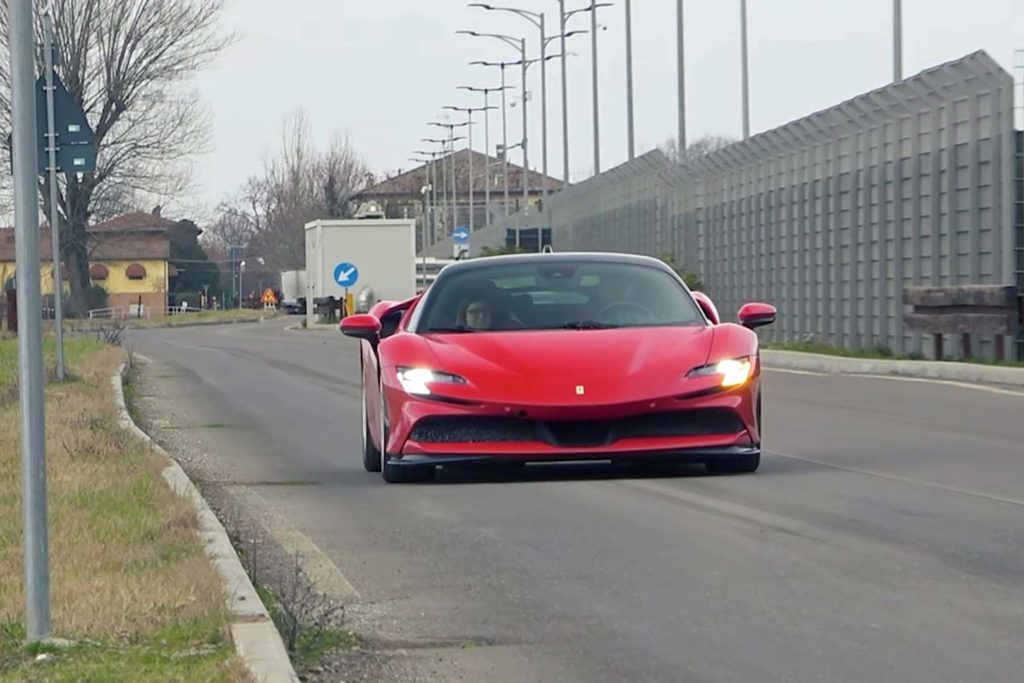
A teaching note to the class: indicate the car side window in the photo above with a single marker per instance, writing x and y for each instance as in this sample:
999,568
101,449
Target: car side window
389,323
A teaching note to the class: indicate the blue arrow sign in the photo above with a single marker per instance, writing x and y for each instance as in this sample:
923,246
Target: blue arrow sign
461,235
346,274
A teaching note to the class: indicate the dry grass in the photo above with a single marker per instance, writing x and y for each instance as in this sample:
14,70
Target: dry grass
128,574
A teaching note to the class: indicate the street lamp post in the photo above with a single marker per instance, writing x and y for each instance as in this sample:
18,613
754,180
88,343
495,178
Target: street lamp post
469,111
538,19
746,78
682,81
629,79
487,143
897,40
451,140
504,122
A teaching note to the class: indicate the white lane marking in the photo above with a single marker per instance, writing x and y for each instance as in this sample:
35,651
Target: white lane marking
718,506
897,378
811,373
904,480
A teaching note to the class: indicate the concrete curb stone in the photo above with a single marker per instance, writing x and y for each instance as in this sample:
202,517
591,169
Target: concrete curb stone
972,373
256,638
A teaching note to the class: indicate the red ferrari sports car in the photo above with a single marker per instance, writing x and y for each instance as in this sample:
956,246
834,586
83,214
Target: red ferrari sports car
558,357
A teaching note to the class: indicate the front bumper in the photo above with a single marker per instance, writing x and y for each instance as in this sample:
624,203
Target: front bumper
685,455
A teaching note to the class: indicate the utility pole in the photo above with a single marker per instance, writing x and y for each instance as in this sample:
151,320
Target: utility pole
746,72
629,79
30,337
897,42
51,143
597,113
682,81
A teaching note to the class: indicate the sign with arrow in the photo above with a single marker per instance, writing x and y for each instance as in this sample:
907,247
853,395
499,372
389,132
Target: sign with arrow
346,274
461,235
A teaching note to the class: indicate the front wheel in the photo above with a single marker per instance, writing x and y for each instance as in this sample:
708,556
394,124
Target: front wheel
371,455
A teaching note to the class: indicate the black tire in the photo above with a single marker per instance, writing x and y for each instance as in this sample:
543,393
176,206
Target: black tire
741,464
371,455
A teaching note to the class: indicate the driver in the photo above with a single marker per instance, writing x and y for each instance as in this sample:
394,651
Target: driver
478,315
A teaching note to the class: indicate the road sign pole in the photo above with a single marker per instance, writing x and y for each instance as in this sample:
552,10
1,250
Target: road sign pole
30,337
51,144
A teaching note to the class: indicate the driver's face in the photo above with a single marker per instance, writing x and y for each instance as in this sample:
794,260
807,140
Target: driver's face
478,315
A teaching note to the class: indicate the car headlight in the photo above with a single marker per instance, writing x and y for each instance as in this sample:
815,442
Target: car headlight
416,380
734,371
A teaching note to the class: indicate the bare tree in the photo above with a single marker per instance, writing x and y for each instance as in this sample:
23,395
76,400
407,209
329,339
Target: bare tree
299,185
698,148
125,62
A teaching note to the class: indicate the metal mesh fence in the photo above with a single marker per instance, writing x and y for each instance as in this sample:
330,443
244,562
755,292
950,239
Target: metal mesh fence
830,216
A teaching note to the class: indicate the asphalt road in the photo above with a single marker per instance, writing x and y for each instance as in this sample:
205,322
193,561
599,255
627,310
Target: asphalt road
882,539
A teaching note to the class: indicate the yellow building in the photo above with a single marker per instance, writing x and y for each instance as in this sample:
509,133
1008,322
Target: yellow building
128,257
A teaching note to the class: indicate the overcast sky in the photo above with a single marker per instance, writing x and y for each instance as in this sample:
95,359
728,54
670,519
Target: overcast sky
380,70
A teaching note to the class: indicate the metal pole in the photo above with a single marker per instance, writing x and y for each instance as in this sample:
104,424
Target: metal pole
504,138
682,81
565,97
629,79
51,141
597,124
30,333
526,155
444,189
544,108
455,186
897,43
469,117
746,79
487,158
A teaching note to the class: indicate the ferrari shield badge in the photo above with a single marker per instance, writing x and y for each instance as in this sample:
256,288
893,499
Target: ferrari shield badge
580,390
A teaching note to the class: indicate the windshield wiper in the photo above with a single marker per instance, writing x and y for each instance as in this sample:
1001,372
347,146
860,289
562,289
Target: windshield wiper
459,329
588,325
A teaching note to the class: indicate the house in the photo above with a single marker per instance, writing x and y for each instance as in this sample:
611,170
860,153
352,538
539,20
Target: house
129,256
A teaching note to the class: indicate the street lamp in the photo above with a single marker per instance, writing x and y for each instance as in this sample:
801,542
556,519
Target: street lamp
565,17
427,209
444,175
432,197
504,120
629,80
469,120
487,143
538,20
455,190
681,69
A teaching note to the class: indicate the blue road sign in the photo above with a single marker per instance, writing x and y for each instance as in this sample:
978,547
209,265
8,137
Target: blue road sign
346,274
461,235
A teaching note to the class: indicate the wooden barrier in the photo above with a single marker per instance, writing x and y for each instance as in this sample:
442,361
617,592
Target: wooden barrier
990,310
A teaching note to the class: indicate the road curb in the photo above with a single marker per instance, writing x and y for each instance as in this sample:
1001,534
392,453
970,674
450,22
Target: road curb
170,326
972,373
256,638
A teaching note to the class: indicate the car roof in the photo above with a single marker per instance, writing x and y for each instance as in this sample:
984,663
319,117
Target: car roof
482,262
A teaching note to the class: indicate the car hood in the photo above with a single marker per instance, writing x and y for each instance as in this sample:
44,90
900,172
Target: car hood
611,366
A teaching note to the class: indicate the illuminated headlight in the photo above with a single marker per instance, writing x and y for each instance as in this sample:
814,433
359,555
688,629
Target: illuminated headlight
416,380
734,371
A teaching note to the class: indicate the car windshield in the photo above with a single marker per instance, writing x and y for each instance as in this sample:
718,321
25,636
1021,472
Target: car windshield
552,295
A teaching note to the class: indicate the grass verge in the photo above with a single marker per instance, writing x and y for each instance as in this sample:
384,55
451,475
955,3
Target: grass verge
131,585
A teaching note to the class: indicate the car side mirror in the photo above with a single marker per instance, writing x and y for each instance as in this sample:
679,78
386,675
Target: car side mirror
361,326
706,305
756,315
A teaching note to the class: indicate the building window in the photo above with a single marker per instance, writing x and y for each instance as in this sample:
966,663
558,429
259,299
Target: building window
98,271
135,272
